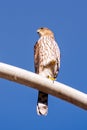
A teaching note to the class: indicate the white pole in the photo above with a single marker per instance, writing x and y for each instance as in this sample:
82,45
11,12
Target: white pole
33,80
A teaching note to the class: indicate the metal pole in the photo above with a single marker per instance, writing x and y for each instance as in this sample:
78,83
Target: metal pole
33,80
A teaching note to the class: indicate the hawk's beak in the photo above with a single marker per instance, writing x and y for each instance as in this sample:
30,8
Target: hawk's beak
38,30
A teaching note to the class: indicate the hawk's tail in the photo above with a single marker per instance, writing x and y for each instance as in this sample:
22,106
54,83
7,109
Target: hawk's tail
42,103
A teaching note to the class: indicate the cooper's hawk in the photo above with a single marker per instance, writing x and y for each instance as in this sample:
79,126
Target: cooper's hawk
47,63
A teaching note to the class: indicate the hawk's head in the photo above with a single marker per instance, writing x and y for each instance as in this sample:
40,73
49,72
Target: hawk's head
45,32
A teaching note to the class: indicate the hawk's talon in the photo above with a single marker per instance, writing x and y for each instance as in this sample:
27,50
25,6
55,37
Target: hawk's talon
51,78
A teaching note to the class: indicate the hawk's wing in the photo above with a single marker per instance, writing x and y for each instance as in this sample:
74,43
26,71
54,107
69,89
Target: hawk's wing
36,57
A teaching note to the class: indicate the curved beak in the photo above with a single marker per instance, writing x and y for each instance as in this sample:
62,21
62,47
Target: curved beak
38,30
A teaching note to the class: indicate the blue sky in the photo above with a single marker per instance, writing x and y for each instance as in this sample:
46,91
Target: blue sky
19,21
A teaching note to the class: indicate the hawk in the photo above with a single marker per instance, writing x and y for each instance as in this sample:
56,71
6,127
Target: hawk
47,63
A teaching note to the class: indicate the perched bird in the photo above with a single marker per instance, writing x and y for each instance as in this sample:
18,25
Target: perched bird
47,63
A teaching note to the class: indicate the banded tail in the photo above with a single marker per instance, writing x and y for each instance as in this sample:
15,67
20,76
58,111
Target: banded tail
42,103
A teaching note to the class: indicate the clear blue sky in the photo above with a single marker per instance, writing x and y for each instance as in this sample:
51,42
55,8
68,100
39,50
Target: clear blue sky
19,21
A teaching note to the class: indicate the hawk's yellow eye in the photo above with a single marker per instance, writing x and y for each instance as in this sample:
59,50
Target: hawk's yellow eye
41,28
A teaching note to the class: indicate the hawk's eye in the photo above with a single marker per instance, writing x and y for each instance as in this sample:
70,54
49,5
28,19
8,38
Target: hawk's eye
41,28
